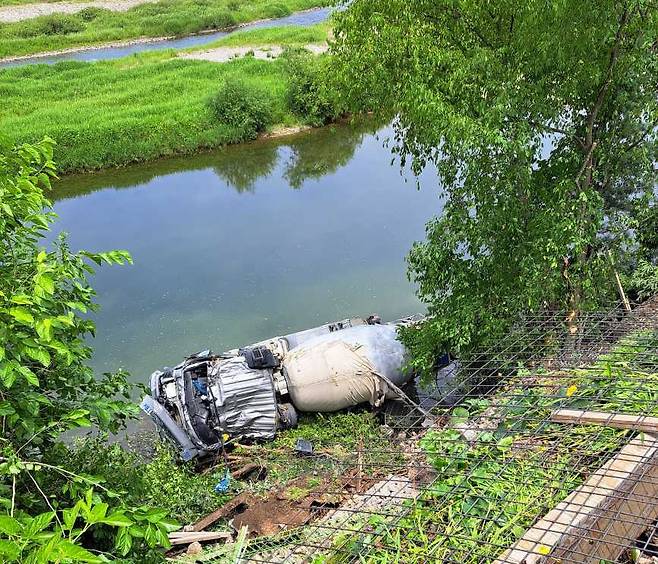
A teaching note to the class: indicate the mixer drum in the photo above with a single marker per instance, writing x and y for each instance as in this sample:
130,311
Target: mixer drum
335,371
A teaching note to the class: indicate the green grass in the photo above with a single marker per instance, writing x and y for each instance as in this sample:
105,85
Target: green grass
113,113
288,35
165,18
335,438
134,109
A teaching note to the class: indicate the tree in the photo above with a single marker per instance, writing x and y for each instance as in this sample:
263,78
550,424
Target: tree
541,119
48,512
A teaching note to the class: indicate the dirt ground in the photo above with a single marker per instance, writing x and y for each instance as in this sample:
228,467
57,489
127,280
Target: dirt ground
225,54
295,504
10,14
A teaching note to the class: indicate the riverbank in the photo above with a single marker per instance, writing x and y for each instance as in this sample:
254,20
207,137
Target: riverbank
173,18
139,108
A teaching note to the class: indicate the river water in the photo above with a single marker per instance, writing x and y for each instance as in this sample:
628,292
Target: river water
306,18
245,243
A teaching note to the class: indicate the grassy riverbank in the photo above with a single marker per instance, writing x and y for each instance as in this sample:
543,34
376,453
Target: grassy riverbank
289,36
93,26
142,107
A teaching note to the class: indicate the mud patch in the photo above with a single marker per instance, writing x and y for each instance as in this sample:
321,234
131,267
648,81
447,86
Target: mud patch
296,504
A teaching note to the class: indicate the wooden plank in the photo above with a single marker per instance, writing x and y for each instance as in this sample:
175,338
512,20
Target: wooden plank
642,423
600,519
246,469
223,511
184,537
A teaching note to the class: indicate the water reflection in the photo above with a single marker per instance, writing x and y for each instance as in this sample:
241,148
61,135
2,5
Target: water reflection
244,243
303,156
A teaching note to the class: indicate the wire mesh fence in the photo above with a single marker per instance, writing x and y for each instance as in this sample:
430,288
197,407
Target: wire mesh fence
542,448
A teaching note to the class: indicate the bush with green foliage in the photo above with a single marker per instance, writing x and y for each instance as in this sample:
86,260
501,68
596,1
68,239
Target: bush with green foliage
642,282
46,387
242,105
156,480
309,93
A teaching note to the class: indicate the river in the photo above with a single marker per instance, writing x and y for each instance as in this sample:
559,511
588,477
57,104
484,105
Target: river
248,242
103,53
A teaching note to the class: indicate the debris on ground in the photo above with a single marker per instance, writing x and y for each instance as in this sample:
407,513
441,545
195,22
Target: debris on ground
185,537
195,548
384,497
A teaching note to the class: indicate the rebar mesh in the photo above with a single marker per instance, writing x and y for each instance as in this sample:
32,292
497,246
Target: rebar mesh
491,475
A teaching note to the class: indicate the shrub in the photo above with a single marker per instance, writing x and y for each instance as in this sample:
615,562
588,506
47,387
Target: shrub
643,281
277,11
161,481
91,13
60,24
309,94
243,106
218,20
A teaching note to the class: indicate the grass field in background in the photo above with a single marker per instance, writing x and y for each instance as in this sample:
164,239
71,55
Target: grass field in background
137,108
114,113
92,26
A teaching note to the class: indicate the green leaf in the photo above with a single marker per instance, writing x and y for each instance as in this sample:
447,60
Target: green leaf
44,329
38,523
30,376
76,553
150,536
45,282
118,519
169,524
10,550
9,526
22,315
8,373
39,354
162,538
155,515
98,512
123,541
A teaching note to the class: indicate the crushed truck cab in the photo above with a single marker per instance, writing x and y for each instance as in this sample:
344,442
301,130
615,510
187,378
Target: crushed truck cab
255,391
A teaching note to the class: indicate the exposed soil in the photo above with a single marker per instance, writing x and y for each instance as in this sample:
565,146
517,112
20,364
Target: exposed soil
10,14
225,54
383,497
295,504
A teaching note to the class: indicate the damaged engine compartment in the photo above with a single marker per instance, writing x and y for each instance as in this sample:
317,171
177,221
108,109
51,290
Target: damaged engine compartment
253,392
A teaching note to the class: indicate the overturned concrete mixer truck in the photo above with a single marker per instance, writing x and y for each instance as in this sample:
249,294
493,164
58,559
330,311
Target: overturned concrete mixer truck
255,391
